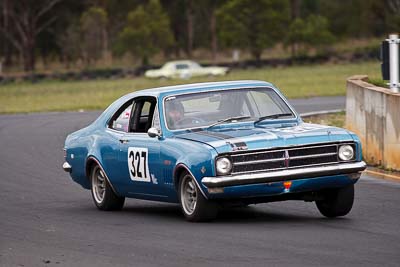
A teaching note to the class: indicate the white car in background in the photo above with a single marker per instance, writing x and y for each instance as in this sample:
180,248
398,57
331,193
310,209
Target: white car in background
185,69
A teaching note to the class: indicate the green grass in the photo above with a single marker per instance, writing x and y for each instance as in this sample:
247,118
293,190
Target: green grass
334,119
378,82
295,82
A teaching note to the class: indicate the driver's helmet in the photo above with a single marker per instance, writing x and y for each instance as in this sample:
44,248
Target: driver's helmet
175,112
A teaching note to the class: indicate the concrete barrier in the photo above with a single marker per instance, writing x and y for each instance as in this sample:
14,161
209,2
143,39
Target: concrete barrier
373,113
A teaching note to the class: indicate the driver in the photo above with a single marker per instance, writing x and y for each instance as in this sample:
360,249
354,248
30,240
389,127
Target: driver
175,113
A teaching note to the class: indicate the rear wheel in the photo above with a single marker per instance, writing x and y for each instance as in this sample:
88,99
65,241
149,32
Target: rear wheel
194,205
102,193
336,202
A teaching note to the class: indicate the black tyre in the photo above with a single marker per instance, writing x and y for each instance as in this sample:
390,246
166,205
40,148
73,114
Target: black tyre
102,193
336,202
195,206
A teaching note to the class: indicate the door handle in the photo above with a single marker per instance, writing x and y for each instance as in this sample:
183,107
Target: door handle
124,141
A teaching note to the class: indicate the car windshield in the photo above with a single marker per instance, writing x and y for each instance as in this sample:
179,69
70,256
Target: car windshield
205,109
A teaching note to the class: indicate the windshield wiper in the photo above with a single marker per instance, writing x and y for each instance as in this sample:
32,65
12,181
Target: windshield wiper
273,116
230,119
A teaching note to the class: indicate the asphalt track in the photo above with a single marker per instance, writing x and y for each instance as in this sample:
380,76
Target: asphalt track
315,104
47,220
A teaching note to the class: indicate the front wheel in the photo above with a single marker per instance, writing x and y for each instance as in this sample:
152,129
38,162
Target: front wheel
102,193
194,205
336,202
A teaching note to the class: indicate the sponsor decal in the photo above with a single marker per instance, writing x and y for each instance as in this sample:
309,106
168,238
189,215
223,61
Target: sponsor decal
237,146
203,170
299,129
234,142
154,179
138,164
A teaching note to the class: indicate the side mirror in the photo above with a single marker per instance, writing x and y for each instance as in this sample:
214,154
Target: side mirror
154,132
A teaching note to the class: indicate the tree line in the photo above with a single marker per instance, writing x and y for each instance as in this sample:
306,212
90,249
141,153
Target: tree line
90,30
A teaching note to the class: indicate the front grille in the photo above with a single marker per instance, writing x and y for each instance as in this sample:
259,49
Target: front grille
285,158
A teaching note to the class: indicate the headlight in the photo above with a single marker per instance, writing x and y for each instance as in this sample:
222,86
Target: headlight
346,152
223,165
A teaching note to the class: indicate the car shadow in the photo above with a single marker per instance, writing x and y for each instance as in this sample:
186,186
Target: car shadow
257,214
251,214
166,211
262,213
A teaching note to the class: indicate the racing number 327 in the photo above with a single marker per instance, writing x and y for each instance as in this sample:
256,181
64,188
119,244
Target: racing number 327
138,164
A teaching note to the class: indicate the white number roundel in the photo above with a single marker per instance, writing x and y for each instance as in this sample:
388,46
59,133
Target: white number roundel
138,164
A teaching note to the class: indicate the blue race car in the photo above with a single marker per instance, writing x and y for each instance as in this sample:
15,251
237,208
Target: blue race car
209,145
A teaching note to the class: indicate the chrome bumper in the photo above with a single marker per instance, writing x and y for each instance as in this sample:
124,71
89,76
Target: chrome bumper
283,175
67,167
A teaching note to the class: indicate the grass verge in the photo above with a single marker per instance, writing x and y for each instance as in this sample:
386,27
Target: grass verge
334,119
378,82
295,82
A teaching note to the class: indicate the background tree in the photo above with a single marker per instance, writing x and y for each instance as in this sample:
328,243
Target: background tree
118,12
312,32
189,26
6,47
392,8
295,8
174,11
70,43
206,22
59,30
253,25
28,19
147,31
94,33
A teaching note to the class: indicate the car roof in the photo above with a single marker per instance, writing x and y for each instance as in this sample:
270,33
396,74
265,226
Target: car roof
161,92
195,87
186,61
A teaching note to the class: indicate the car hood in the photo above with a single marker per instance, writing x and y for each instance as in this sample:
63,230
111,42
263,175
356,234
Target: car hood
234,139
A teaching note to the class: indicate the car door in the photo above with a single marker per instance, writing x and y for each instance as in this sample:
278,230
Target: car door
196,69
140,154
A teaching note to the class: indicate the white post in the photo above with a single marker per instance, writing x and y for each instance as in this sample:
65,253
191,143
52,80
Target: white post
394,42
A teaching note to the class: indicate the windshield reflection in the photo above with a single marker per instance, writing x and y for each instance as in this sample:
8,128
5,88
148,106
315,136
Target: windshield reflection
203,109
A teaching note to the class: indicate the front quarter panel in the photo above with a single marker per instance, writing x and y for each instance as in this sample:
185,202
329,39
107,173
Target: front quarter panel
178,155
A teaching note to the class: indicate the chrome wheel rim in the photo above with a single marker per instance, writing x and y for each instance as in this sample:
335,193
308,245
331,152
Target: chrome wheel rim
98,185
188,195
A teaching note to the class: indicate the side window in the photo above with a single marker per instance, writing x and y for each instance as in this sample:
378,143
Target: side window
156,119
182,66
145,109
120,121
142,116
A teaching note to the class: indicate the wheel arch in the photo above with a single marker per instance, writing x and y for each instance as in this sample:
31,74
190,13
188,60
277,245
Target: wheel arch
92,161
178,170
